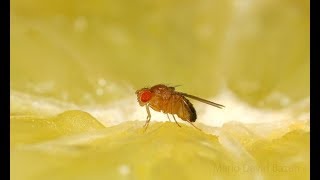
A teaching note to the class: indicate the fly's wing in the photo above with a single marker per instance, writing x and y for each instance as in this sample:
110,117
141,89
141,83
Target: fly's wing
202,100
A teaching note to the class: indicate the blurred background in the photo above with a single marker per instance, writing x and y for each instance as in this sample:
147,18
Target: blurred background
64,49
252,56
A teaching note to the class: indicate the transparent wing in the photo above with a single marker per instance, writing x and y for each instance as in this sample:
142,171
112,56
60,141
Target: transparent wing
202,100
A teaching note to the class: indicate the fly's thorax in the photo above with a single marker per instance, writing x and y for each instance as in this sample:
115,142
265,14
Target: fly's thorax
161,101
162,91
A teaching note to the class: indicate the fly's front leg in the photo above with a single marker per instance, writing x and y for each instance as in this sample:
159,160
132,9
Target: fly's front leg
148,117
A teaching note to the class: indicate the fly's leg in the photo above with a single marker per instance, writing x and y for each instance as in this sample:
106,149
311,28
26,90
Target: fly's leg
148,118
193,125
168,117
176,120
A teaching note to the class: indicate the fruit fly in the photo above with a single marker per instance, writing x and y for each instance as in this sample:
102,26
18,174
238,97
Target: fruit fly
165,99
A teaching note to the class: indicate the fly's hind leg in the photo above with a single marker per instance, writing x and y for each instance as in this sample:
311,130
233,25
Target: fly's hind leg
148,118
176,120
194,125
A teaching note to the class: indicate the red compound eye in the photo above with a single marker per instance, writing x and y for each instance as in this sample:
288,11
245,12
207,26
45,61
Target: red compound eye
146,96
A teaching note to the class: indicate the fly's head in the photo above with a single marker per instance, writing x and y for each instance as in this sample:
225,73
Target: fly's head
143,95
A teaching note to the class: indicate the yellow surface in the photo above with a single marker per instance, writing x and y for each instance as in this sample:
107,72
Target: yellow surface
76,65
164,151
